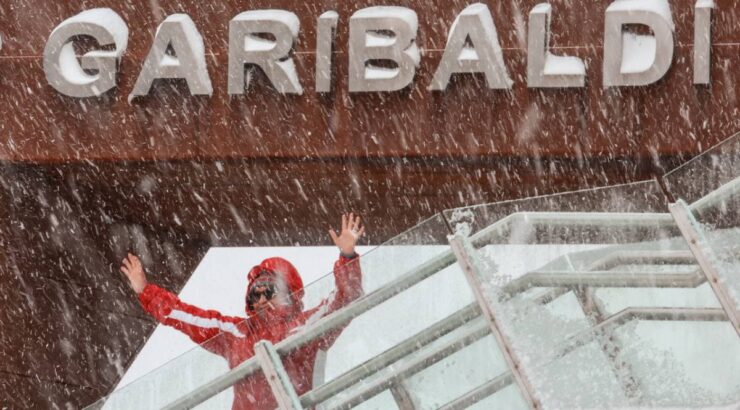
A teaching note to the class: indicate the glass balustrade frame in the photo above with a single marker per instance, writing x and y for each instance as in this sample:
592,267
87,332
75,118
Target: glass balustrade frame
592,215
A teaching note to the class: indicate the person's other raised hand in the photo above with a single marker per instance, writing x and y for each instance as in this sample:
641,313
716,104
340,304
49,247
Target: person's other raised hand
134,271
352,230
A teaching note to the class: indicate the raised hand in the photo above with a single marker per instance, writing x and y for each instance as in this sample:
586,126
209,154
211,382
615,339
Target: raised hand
134,271
352,230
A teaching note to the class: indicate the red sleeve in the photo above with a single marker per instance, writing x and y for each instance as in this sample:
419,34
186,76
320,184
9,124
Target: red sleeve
200,325
348,280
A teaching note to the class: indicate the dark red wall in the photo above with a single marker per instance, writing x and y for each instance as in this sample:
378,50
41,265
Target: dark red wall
78,177
468,119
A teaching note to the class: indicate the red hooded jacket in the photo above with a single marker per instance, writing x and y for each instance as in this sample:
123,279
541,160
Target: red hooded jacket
234,337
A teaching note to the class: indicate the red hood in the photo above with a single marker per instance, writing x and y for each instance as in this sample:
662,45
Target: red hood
287,272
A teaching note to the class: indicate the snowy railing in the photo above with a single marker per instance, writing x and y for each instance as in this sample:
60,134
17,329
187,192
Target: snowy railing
478,320
416,343
321,327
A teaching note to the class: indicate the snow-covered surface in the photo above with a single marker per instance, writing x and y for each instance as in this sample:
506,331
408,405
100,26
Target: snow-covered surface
468,53
638,53
255,43
380,73
111,22
331,14
286,17
542,8
660,7
563,65
406,14
545,69
101,17
374,39
70,67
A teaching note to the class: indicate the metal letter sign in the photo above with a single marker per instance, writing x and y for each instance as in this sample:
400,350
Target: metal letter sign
61,66
702,40
326,27
485,56
247,45
636,59
368,42
545,69
188,59
383,50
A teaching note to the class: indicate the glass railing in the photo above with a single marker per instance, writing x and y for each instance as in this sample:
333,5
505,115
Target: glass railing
547,261
710,183
633,319
596,297
175,379
406,277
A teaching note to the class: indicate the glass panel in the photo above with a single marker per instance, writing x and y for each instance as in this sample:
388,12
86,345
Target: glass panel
710,183
680,363
381,401
403,317
347,347
553,267
507,398
643,363
724,242
181,376
404,253
614,300
707,172
399,318
637,197
458,374
551,277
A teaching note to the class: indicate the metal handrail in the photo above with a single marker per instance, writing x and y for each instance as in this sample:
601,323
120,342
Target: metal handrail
401,371
323,392
383,383
705,257
718,195
322,326
380,362
425,360
618,319
604,219
479,393
572,219
625,256
416,275
472,273
605,279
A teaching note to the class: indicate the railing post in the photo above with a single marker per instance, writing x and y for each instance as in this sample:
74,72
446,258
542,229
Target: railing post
405,400
474,280
704,255
609,345
276,376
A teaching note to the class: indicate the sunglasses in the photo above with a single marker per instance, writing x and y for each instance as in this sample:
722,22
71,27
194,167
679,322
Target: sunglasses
266,288
259,289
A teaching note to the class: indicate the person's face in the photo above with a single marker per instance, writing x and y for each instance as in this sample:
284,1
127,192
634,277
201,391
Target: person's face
268,293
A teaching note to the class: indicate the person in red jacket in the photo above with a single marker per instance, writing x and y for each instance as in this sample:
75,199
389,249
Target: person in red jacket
274,310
